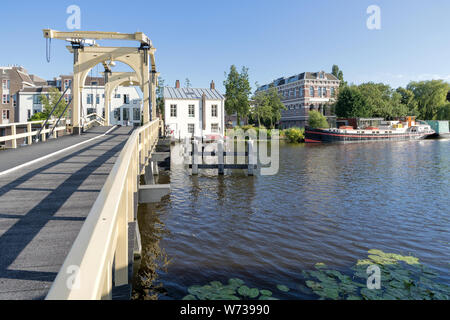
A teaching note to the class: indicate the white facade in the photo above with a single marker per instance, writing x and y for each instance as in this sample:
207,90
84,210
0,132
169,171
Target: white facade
193,112
126,104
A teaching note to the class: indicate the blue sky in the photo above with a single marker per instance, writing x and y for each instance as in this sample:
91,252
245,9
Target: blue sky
200,39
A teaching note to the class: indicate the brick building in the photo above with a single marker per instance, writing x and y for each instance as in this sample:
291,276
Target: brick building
13,79
304,92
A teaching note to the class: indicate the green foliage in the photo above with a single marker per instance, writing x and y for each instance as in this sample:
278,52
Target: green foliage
267,108
430,96
38,116
234,290
375,100
443,112
48,102
238,90
159,96
294,135
402,277
317,120
338,74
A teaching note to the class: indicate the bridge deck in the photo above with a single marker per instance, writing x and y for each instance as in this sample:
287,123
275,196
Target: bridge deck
43,206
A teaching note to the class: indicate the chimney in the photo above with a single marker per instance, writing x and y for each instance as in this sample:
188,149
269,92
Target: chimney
212,86
177,84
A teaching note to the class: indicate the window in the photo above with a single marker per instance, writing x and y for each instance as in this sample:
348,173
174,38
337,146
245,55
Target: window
319,91
324,91
214,110
90,98
5,98
14,101
191,128
5,84
214,127
28,114
5,114
126,114
94,83
332,91
191,108
311,91
173,110
321,76
97,99
136,114
117,96
302,92
126,98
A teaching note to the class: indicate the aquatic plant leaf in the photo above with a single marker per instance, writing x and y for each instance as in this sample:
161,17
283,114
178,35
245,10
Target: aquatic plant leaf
216,284
283,288
266,293
195,290
253,293
235,282
244,291
189,297
320,265
267,298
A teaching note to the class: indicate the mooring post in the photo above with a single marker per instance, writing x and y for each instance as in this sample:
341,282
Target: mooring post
220,157
251,158
194,157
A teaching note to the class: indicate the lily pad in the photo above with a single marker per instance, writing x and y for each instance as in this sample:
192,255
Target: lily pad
282,287
189,297
266,293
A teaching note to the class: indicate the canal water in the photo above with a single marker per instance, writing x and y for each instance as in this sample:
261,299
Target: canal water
328,204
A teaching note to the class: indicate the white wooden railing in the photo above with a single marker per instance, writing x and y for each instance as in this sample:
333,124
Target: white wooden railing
103,239
29,134
89,120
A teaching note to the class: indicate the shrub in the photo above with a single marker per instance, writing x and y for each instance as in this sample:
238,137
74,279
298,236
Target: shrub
294,135
317,120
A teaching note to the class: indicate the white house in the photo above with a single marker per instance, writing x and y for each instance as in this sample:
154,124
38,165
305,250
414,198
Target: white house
126,104
193,112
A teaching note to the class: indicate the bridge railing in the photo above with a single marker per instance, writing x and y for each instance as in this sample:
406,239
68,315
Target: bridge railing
29,131
102,243
91,119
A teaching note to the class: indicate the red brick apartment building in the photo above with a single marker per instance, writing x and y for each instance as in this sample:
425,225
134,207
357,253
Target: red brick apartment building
304,92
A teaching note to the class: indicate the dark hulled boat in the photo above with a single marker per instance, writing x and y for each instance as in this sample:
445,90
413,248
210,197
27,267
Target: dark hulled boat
348,134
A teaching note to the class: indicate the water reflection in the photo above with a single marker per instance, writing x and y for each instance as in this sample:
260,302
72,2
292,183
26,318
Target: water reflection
328,203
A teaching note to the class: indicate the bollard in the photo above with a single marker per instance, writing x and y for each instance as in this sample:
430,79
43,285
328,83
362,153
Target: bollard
220,157
194,157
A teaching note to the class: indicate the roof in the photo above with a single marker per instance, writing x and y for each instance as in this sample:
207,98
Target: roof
191,93
297,77
36,89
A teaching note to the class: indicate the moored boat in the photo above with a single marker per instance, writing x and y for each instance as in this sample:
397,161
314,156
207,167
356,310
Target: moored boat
388,131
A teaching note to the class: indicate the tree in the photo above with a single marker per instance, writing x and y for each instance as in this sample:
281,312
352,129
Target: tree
430,96
238,90
262,110
338,74
160,97
50,101
443,112
317,120
276,105
351,103
408,99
